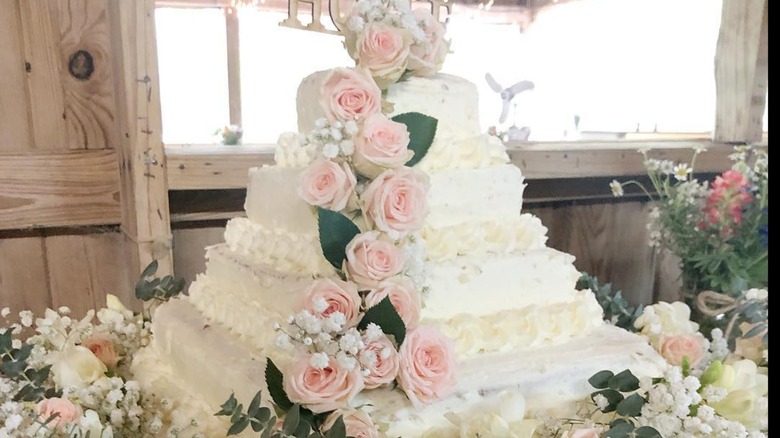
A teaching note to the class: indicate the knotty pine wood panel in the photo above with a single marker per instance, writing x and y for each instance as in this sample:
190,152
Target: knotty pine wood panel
89,101
15,133
84,267
24,277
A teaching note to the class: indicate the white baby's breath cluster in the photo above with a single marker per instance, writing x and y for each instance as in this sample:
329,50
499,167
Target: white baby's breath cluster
414,254
332,140
396,13
109,400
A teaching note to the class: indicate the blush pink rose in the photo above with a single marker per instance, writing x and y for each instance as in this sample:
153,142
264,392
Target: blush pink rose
327,184
103,348
384,51
584,433
371,260
427,57
675,348
357,422
322,390
340,296
404,297
385,367
349,94
380,144
397,200
66,411
427,365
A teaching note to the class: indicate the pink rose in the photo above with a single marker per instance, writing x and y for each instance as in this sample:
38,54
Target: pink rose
404,296
427,365
371,260
427,57
384,51
322,390
327,184
385,366
66,411
349,94
397,200
674,348
357,422
338,296
584,433
381,143
103,348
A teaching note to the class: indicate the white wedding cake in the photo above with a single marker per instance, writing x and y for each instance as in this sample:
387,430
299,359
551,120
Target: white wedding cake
476,269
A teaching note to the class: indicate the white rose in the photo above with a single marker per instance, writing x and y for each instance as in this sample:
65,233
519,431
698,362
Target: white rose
90,424
666,319
113,303
76,367
746,384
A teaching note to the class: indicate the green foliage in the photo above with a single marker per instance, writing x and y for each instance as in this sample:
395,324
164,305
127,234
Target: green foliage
14,365
162,289
386,317
616,308
620,392
421,129
275,381
336,231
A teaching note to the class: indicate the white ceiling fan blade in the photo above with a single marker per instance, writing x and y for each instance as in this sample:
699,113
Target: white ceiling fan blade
504,112
493,84
520,87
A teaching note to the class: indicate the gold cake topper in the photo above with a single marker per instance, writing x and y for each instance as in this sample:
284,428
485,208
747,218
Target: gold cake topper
337,17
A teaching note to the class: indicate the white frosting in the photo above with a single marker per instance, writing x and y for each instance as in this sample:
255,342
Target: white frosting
292,151
484,285
272,201
471,153
286,252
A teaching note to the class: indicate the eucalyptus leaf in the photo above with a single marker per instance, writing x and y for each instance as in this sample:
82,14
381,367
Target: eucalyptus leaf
254,405
631,406
624,381
275,382
621,430
291,420
385,316
600,380
338,430
422,130
150,269
755,331
647,432
229,406
613,398
238,414
336,231
238,426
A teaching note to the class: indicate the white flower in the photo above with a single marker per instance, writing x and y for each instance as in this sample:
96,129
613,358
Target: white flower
355,24
335,134
348,147
330,150
90,423
26,318
321,123
351,342
757,294
666,167
346,361
76,367
283,341
351,127
320,305
5,312
13,422
334,322
373,332
681,171
319,360
308,322
601,401
617,188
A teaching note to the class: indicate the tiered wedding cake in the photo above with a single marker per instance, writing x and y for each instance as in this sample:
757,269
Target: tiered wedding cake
475,271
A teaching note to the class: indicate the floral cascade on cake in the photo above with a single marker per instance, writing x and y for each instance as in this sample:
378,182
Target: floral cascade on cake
384,281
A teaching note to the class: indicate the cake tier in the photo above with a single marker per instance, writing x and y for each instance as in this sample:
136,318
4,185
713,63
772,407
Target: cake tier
548,377
453,101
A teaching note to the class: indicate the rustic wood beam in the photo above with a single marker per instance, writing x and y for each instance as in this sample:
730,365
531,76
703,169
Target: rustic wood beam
59,188
741,71
233,66
142,170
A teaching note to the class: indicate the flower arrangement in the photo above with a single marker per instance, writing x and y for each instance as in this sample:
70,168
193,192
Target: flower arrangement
230,134
718,228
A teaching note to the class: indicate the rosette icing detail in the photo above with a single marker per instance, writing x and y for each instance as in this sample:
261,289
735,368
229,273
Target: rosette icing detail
456,152
292,151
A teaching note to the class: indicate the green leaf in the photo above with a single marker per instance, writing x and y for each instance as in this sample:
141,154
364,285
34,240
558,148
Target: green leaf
263,415
712,373
647,432
422,130
600,380
238,414
254,405
336,231
624,381
229,406
621,430
238,426
631,406
291,420
150,269
338,430
613,398
275,381
385,316
6,341
686,366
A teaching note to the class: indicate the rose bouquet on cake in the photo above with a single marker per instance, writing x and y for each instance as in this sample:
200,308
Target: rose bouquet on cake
359,329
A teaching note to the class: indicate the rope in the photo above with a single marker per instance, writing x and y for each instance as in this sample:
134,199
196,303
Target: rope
715,304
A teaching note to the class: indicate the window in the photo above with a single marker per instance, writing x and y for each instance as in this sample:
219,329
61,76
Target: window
601,68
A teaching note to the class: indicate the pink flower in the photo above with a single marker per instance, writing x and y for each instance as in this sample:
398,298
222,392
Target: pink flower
726,200
327,184
339,296
397,200
675,348
384,51
427,369
103,348
65,410
349,94
404,297
385,367
381,143
584,433
371,260
428,56
322,390
357,422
